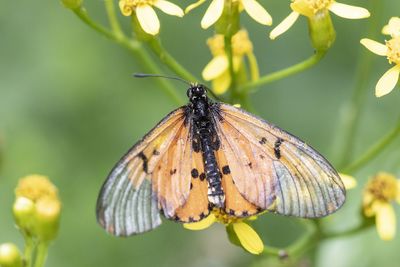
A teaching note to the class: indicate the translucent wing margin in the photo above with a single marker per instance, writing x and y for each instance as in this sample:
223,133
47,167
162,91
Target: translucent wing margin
127,203
275,170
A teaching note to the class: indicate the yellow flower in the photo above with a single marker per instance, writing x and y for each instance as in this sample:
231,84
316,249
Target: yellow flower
314,9
380,191
391,50
145,13
238,230
348,181
216,8
217,70
37,207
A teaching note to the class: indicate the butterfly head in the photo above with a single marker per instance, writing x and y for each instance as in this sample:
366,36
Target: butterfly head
197,92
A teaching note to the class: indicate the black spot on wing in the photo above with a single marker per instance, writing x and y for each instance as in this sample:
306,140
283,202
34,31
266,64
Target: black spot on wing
277,149
143,157
226,170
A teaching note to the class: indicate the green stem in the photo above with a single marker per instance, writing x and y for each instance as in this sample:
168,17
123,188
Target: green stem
235,96
351,113
156,46
365,224
41,254
28,250
116,28
301,245
374,150
308,63
136,49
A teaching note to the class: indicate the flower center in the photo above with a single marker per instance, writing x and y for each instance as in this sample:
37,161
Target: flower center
393,54
313,6
222,217
241,44
383,187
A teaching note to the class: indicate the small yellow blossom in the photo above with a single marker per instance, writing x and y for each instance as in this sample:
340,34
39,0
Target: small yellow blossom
217,70
145,13
216,8
37,207
314,9
379,193
391,50
245,235
348,181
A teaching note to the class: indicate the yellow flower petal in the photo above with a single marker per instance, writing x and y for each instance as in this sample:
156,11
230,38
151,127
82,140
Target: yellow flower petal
349,12
284,25
385,221
374,46
393,27
213,13
221,83
169,8
148,19
201,225
248,238
215,67
194,5
348,181
302,7
257,12
398,192
388,81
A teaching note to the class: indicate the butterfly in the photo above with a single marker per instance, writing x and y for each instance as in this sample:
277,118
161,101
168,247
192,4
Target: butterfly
210,155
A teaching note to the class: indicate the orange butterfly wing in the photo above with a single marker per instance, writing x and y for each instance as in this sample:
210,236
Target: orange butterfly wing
155,175
274,170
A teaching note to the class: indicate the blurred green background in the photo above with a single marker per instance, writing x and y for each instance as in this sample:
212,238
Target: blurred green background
70,109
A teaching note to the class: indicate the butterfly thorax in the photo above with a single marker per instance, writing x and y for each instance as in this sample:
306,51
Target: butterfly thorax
204,132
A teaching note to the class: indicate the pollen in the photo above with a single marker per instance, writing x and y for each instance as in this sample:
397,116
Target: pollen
222,217
393,54
382,187
313,6
128,6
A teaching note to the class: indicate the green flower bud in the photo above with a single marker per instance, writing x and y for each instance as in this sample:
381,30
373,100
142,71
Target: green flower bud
72,4
322,32
23,211
10,256
47,219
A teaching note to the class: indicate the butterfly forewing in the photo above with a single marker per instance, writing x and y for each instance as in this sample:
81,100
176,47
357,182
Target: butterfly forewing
275,170
127,203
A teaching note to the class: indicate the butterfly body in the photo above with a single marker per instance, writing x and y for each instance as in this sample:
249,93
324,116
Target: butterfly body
203,128
206,156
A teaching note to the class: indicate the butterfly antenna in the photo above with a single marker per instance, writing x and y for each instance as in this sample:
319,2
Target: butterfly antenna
145,75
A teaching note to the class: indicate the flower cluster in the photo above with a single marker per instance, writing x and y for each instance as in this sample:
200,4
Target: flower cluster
36,212
37,208
391,50
217,70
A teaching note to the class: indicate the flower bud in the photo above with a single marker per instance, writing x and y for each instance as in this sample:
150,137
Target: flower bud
322,32
10,256
23,210
47,219
72,4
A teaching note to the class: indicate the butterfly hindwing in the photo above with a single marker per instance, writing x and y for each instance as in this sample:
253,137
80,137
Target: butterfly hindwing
197,206
127,203
235,203
274,170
